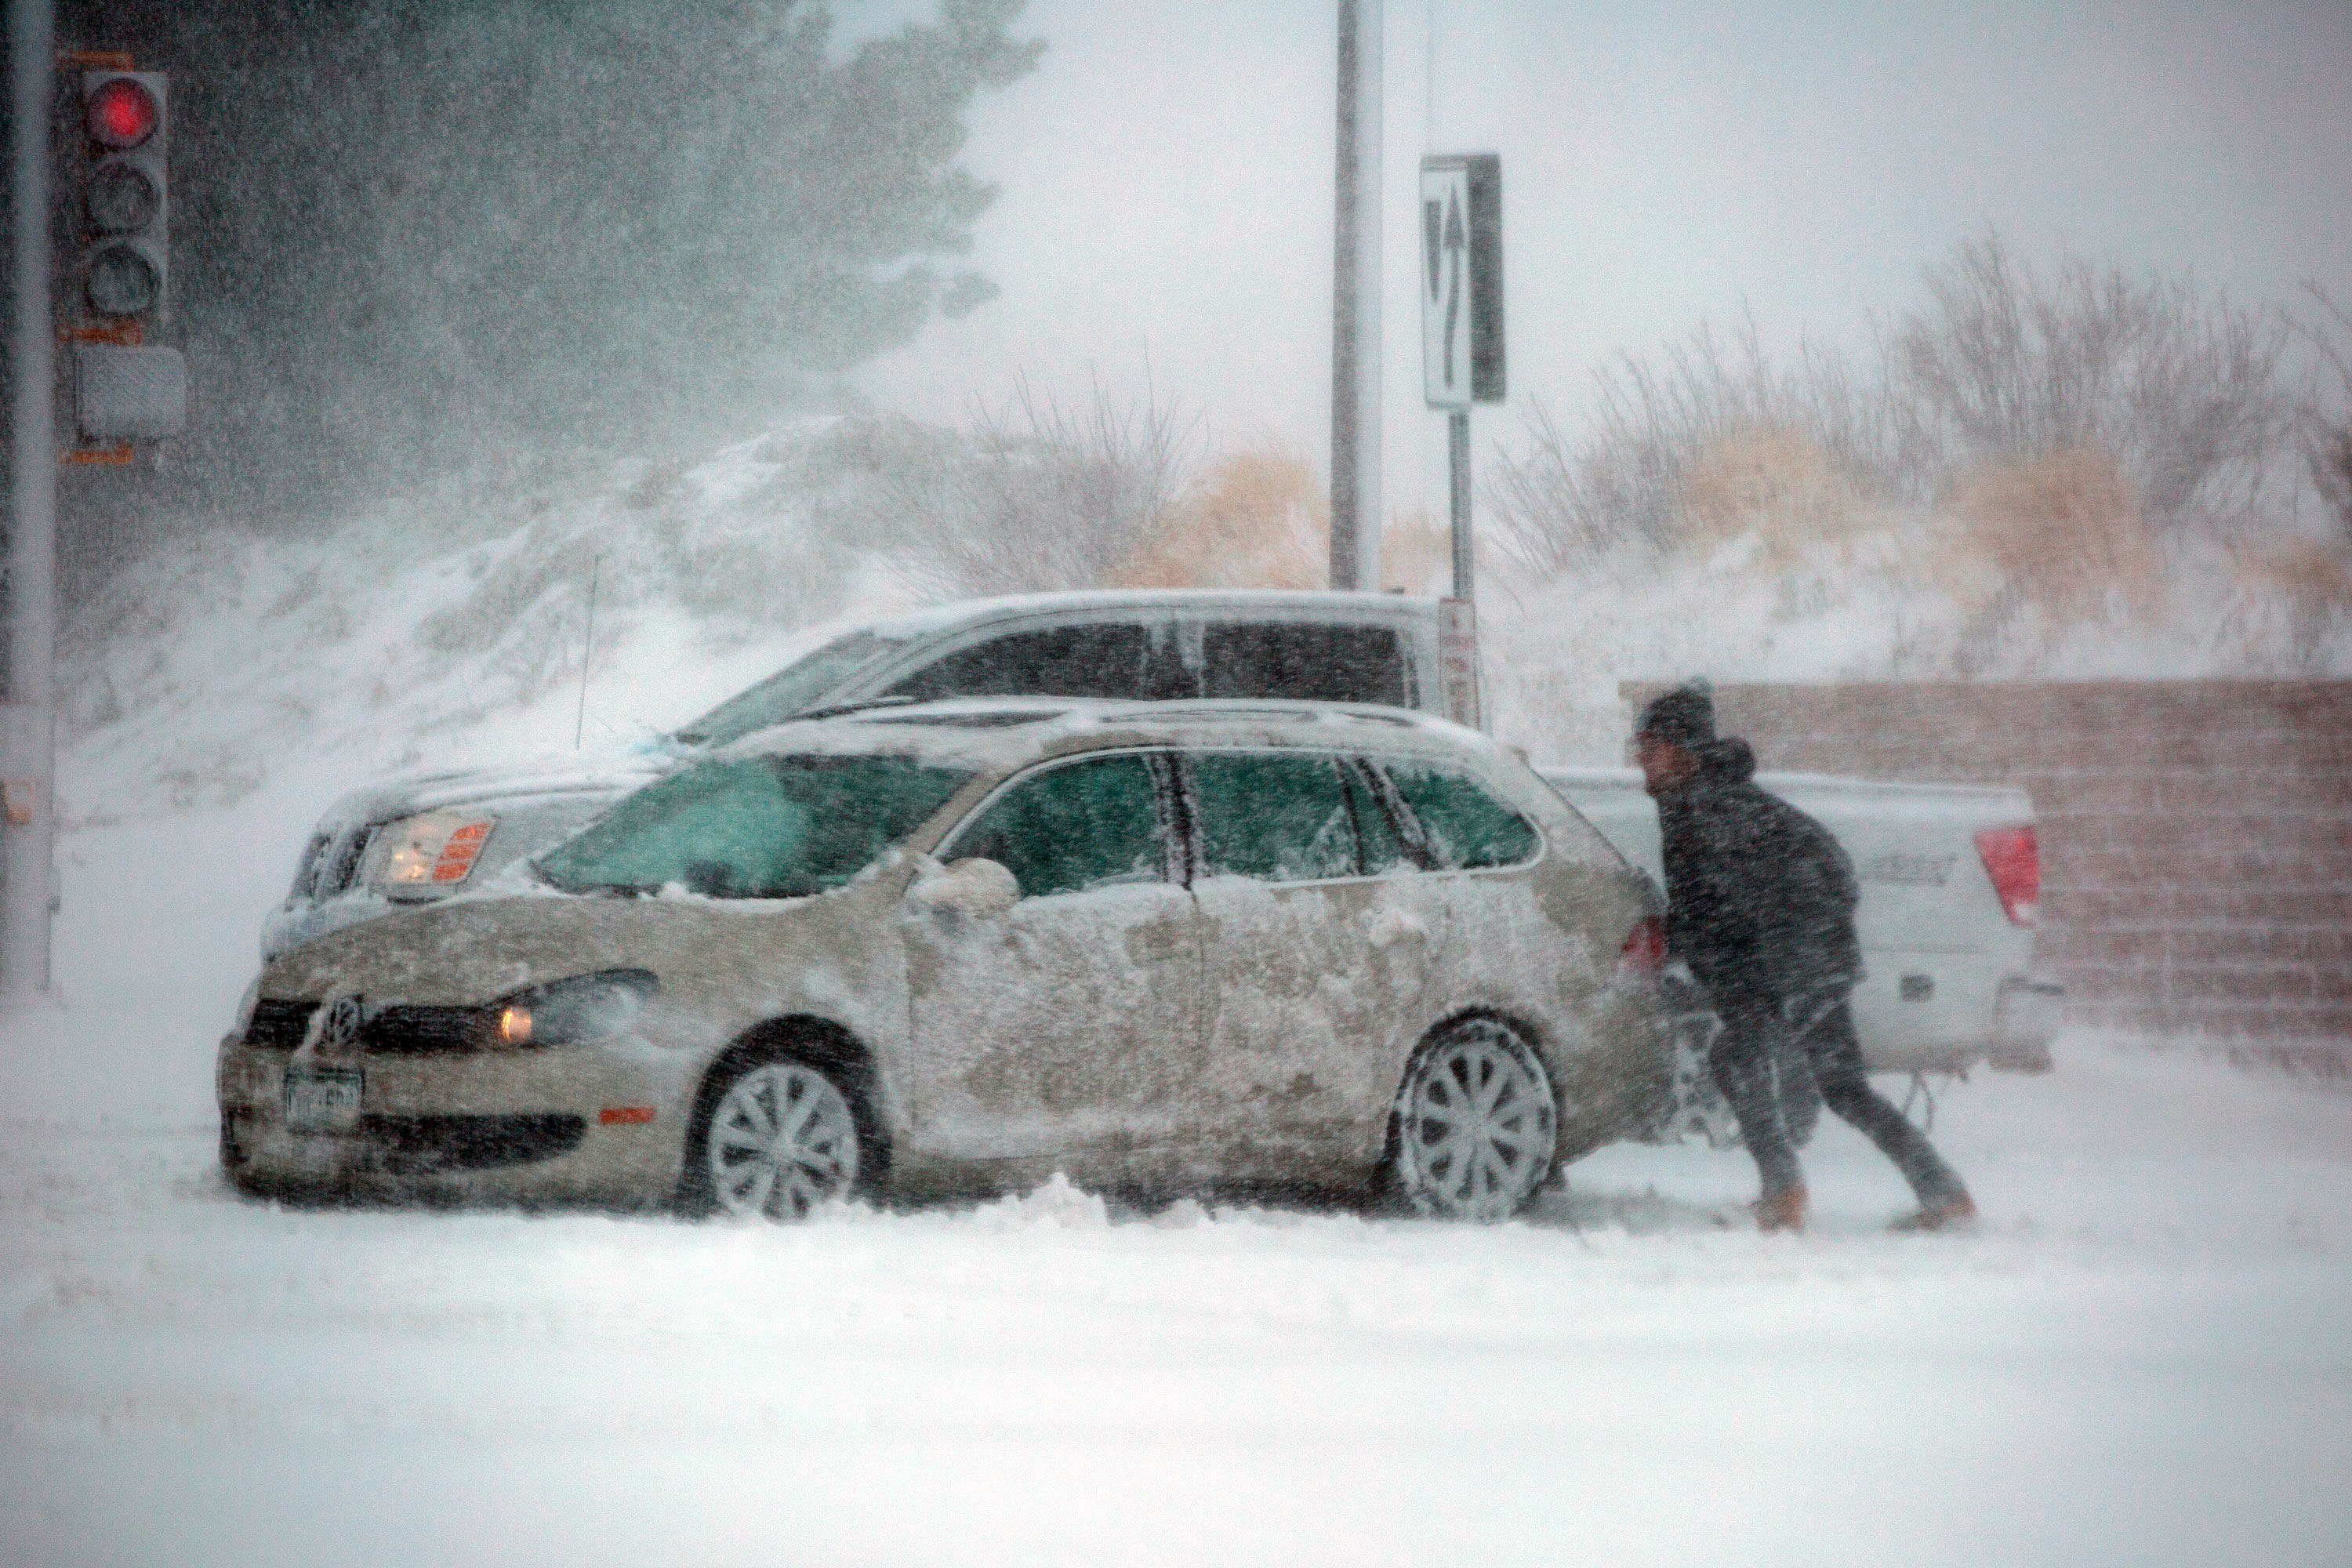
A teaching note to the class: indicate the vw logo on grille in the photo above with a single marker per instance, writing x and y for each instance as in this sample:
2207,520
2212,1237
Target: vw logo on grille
338,1025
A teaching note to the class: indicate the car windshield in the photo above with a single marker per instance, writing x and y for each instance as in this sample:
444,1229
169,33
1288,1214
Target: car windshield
797,686
754,827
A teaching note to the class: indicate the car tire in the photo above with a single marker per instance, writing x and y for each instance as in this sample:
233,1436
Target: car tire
1477,1123
774,1137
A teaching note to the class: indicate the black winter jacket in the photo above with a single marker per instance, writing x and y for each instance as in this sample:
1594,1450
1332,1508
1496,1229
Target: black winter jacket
1760,897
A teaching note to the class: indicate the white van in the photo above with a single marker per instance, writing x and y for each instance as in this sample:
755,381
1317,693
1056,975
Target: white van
411,841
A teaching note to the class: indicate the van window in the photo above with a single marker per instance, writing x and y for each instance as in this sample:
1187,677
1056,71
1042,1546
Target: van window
1304,661
1051,661
1465,826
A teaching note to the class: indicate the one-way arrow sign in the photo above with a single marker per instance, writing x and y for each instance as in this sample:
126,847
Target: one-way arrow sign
1461,280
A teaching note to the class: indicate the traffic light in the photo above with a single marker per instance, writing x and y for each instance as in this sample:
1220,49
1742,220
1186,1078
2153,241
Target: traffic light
125,217
124,390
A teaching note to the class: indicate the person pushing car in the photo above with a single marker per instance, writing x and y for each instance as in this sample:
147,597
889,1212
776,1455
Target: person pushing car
1760,902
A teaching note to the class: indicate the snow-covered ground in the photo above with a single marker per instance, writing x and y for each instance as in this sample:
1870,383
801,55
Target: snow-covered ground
2144,1357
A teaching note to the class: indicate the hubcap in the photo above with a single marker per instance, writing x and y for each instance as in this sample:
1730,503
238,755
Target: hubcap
1476,1127
781,1141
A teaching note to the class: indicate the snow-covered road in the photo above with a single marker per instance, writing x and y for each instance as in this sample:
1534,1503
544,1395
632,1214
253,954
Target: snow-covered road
2145,1357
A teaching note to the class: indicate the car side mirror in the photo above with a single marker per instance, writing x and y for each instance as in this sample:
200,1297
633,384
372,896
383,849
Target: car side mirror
972,888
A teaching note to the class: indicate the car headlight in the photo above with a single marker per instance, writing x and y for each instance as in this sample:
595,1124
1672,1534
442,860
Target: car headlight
434,850
585,1008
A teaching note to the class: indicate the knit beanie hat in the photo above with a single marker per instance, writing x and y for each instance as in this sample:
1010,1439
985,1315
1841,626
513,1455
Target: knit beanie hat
1683,717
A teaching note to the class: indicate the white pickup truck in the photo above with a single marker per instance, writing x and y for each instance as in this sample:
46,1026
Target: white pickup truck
1949,875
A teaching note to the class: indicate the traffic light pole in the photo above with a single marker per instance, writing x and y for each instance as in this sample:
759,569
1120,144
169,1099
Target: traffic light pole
27,749
1356,304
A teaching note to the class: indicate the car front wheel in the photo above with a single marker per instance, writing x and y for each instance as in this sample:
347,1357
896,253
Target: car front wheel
782,1137
1477,1123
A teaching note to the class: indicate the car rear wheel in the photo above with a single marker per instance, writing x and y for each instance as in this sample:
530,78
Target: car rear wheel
783,1137
1478,1123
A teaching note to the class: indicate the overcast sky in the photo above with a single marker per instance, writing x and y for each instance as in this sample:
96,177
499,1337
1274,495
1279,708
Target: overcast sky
1167,181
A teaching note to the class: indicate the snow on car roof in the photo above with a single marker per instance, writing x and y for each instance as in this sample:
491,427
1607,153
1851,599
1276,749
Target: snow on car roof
411,793
998,734
1316,604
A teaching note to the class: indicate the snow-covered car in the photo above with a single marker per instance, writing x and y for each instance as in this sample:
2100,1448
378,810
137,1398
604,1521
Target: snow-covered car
413,840
960,946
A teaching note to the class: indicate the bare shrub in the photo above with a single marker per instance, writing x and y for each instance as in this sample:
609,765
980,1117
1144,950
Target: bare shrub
2009,390
1626,478
1044,495
2008,368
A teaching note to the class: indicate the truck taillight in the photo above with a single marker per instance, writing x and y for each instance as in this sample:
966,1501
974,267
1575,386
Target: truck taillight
1644,957
2012,858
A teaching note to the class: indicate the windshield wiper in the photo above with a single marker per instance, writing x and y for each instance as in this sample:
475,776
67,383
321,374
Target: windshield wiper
695,739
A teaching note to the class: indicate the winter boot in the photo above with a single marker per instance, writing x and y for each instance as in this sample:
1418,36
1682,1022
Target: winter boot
1948,1213
1784,1210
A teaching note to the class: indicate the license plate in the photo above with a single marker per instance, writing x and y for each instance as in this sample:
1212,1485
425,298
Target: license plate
322,1100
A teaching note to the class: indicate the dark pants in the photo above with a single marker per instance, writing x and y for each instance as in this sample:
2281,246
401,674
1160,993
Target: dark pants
1753,1026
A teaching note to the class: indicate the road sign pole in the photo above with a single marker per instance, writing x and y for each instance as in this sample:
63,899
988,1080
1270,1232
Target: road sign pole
28,752
1457,451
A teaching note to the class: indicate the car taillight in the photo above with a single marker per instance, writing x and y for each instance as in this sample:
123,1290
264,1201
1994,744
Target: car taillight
2012,858
1644,957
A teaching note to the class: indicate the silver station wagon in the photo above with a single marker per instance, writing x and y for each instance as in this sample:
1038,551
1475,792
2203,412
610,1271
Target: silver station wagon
956,947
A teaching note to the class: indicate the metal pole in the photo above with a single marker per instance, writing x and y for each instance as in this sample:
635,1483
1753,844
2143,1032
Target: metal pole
28,751
1457,451
1356,304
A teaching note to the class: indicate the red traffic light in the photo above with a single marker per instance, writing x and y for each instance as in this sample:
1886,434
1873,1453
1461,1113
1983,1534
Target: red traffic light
123,113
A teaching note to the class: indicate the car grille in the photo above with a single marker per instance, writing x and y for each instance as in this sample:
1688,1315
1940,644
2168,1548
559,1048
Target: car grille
471,1142
278,1026
425,1031
394,1031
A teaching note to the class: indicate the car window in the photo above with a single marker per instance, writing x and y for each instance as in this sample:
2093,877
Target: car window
1303,661
754,827
1083,824
1053,661
796,686
1465,825
1273,816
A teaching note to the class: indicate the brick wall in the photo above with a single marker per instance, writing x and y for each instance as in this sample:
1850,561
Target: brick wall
2196,835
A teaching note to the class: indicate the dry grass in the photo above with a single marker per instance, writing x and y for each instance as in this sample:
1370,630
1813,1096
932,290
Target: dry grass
1256,519
2067,532
1261,519
1775,482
